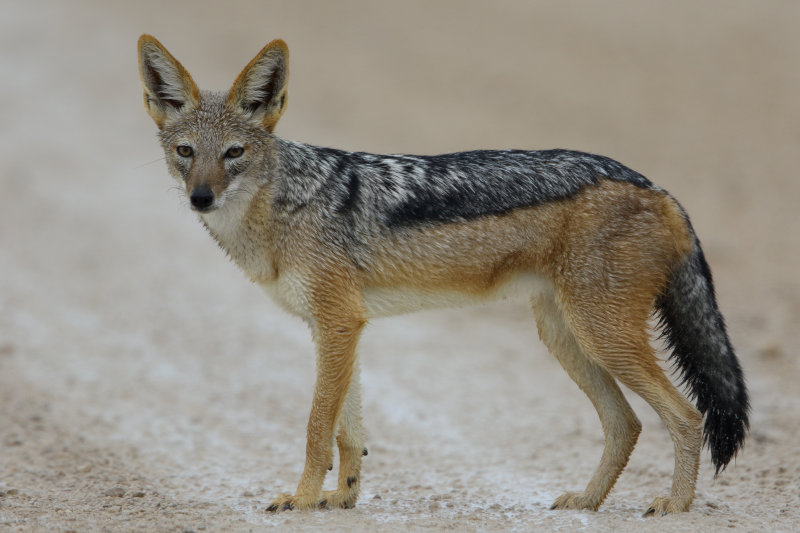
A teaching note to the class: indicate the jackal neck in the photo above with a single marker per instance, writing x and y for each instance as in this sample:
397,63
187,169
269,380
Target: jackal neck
243,230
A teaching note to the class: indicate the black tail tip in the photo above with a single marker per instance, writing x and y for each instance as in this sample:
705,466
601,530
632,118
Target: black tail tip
724,434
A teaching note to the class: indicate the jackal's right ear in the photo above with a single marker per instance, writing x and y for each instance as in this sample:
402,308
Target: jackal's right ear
260,89
168,88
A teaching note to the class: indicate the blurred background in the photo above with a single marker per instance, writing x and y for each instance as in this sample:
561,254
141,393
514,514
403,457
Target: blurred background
133,355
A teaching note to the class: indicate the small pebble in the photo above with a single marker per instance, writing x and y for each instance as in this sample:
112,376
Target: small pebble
771,351
13,440
116,492
248,494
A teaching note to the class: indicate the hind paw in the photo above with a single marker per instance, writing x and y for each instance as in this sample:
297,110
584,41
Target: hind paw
664,506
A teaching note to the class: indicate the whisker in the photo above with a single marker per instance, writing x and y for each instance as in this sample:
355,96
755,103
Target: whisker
149,163
181,194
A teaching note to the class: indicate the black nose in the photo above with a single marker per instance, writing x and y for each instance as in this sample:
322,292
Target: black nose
202,197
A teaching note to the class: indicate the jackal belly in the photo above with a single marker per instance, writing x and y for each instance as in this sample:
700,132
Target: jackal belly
396,300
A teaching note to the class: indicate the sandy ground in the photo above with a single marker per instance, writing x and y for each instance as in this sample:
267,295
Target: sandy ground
145,385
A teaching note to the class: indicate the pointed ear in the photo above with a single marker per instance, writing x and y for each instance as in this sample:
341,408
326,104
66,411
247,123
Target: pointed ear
260,89
168,88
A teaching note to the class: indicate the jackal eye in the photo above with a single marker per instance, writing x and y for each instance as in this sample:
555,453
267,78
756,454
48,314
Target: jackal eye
184,151
234,152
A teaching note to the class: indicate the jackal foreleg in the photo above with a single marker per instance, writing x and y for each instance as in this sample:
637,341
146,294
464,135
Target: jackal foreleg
338,321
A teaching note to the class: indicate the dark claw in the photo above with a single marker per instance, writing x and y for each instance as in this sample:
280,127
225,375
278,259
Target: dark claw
288,507
351,480
364,452
554,507
272,508
649,512
330,468
323,504
349,505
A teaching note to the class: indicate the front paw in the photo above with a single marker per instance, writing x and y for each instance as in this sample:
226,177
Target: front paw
342,499
330,499
574,500
289,502
284,502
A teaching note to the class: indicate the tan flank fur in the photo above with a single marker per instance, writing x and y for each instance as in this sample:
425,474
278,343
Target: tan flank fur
593,263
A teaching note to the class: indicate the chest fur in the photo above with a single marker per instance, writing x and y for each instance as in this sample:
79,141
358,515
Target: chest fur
243,231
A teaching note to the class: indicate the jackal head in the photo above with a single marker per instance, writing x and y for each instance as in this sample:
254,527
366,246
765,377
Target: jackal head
217,144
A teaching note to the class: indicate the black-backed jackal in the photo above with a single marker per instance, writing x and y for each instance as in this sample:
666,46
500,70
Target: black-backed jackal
340,237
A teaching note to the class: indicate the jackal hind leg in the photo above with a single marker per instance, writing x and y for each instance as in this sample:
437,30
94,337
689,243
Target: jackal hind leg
617,339
620,425
350,441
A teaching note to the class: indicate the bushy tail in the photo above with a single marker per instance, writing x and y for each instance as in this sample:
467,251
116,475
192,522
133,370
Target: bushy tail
695,331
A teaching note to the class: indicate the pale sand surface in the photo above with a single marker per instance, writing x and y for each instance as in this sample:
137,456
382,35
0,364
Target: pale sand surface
146,385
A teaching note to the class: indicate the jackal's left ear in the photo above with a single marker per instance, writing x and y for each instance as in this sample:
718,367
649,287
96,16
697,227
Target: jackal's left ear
260,89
